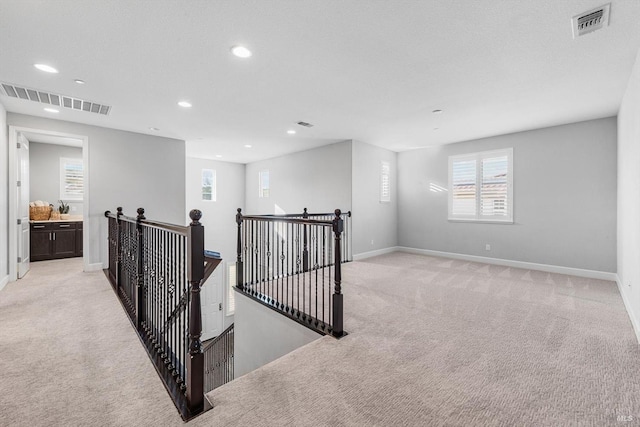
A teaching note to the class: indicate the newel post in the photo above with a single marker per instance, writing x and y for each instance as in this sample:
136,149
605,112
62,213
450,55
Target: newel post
118,251
305,248
195,274
139,306
338,228
239,266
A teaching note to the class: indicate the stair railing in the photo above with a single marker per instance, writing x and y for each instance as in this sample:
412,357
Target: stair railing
156,270
293,265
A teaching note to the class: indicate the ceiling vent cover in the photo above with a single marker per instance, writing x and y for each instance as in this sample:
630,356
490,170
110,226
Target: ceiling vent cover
305,124
42,97
591,20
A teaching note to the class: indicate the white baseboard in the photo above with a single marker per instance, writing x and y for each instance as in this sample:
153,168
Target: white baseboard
592,274
364,255
627,305
94,267
4,281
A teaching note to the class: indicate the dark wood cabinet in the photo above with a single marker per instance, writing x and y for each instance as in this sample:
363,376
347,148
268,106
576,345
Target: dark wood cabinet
53,240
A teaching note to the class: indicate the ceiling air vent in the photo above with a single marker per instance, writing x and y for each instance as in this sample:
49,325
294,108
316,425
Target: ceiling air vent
305,124
53,99
591,20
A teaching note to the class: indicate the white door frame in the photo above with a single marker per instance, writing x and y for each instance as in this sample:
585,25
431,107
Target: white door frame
14,131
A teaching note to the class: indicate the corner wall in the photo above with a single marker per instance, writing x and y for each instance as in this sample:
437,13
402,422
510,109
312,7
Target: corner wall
44,173
126,169
4,198
629,197
317,179
375,223
564,199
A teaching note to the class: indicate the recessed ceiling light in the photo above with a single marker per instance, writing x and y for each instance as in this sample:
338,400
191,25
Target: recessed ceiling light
154,129
437,111
184,104
241,52
219,156
46,68
80,82
291,132
247,146
51,110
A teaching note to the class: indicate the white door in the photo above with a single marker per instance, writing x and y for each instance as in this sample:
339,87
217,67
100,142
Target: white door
211,304
22,157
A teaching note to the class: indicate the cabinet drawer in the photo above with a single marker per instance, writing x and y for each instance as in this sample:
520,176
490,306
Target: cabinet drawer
64,225
41,226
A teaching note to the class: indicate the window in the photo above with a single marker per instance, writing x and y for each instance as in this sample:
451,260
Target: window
71,179
385,185
209,185
263,184
231,296
481,186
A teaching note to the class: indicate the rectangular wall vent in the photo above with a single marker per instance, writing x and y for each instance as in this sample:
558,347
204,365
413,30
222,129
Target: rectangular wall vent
43,97
591,20
305,124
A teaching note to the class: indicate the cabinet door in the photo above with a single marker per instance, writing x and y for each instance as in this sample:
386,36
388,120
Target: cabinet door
40,242
79,239
64,241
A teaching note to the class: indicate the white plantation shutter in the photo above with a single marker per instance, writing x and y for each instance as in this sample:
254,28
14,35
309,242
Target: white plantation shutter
480,186
463,190
71,179
385,184
494,193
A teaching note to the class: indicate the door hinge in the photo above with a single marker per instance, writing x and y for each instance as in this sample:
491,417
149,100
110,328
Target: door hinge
19,222
19,183
19,260
220,307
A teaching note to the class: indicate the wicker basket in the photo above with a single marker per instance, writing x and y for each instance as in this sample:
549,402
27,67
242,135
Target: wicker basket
54,215
39,213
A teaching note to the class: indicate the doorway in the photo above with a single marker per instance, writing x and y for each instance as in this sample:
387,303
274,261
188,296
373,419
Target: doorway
20,139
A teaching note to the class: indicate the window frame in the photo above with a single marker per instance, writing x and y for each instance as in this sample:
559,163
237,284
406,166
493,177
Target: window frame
478,157
214,182
63,179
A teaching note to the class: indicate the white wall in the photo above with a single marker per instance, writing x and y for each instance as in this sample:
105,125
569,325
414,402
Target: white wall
44,173
218,217
4,198
375,224
629,197
564,199
317,179
262,335
126,169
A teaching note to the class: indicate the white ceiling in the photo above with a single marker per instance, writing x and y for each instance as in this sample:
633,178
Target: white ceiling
356,69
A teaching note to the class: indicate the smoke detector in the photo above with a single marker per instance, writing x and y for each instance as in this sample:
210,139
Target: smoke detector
590,20
53,99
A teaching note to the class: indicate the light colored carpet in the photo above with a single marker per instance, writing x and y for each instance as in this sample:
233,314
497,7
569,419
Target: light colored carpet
444,342
69,357
432,342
